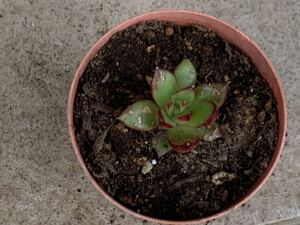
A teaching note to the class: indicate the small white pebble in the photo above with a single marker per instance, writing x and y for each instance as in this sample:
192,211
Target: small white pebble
105,78
153,162
259,138
150,48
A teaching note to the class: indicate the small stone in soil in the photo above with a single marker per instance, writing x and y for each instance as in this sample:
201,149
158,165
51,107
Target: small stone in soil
188,43
203,168
153,162
169,31
147,167
249,154
268,105
221,177
213,136
265,163
226,78
150,48
207,178
237,92
150,34
105,78
121,127
190,48
247,172
140,178
261,116
222,157
107,146
212,34
259,138
140,161
240,98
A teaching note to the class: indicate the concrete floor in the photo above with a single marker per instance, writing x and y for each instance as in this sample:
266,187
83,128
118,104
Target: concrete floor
41,44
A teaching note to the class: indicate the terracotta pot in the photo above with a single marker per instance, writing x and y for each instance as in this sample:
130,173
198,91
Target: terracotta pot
228,33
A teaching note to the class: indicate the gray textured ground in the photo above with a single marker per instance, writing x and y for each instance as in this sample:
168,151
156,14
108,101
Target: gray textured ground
41,44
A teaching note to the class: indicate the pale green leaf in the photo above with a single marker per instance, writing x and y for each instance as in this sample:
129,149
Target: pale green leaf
142,115
182,135
163,86
185,74
215,93
201,111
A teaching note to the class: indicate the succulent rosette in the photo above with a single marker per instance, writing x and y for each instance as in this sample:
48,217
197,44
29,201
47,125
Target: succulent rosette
187,112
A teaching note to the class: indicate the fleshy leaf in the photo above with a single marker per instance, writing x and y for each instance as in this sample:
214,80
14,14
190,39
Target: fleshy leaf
161,145
164,120
201,111
182,135
215,93
141,115
210,132
185,74
163,86
183,100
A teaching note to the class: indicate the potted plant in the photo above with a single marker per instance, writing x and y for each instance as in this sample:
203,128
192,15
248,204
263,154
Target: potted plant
176,117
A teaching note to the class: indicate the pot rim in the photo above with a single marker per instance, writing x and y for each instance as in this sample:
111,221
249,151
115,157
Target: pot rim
282,114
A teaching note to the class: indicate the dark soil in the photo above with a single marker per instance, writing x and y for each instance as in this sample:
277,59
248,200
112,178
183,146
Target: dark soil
180,185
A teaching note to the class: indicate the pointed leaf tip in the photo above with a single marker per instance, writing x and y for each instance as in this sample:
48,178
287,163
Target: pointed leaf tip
163,86
185,74
141,115
215,93
161,145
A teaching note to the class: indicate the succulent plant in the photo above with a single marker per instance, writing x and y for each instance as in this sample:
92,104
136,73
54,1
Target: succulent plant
188,113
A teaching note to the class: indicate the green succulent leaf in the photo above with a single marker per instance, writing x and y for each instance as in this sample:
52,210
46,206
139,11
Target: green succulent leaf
183,100
141,115
201,111
215,93
163,86
185,74
161,145
182,135
210,132
166,118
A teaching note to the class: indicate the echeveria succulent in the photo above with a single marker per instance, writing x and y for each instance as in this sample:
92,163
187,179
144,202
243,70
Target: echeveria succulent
187,112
